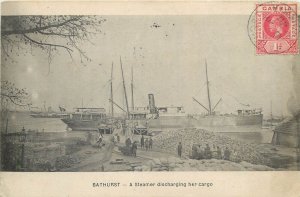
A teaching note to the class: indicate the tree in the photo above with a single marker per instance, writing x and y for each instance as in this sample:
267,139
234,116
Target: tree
48,33
51,34
12,96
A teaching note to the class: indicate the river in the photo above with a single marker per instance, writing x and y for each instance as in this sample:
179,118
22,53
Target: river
18,120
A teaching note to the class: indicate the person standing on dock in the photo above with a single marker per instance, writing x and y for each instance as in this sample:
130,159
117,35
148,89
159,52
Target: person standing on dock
194,151
179,149
147,144
226,154
134,149
219,153
199,153
142,142
207,152
150,143
214,152
128,142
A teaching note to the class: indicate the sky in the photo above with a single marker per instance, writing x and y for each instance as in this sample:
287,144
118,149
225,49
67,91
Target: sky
168,61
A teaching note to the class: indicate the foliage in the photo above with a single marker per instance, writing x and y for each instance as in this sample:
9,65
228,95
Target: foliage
14,95
48,33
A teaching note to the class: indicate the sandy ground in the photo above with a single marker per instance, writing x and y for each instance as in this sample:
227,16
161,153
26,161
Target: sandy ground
91,158
94,159
99,159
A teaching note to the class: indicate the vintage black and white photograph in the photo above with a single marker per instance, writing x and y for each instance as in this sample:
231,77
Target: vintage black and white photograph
113,93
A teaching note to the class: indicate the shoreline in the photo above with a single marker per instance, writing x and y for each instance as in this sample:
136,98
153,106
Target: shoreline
70,151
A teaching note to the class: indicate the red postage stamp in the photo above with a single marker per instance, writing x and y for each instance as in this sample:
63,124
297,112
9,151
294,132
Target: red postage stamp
276,28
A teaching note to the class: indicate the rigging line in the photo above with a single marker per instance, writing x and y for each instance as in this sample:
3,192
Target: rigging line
103,70
227,106
137,90
117,88
215,89
235,98
201,89
107,82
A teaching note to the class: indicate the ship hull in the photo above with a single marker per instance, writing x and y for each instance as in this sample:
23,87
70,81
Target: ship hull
83,125
228,120
49,115
202,121
175,122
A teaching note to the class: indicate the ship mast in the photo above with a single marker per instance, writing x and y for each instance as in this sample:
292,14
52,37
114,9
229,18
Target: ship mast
132,98
111,90
208,95
210,110
124,88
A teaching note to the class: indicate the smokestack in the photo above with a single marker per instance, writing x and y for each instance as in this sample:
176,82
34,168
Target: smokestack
152,106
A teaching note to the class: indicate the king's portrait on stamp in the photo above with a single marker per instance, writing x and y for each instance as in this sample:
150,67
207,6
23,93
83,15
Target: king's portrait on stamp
276,28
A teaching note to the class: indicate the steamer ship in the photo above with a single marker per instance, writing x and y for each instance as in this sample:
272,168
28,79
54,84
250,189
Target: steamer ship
88,119
43,113
175,117
153,117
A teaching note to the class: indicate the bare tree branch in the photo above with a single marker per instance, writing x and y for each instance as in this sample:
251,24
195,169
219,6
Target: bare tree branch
13,101
47,44
16,96
25,31
56,34
48,33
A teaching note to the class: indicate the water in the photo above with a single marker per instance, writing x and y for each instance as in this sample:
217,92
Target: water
18,120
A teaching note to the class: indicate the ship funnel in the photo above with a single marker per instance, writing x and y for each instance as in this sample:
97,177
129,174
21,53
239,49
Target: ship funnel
151,104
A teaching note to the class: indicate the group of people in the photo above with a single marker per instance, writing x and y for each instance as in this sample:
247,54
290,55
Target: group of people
198,152
132,146
146,143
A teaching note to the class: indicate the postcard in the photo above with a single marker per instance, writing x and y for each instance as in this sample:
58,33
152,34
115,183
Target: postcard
158,98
